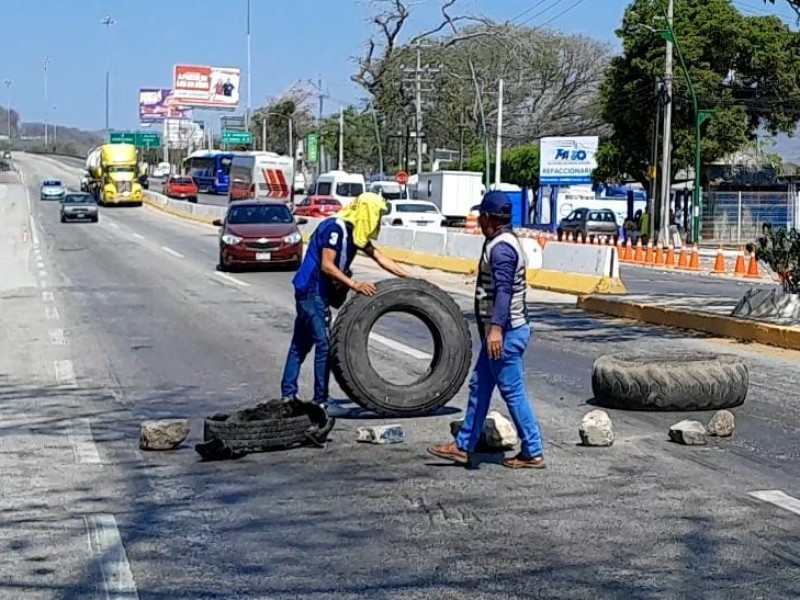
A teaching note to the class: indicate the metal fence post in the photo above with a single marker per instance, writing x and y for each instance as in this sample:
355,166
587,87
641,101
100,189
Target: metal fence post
739,221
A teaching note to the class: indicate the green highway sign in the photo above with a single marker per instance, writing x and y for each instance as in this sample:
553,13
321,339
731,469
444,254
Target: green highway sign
138,139
312,147
237,138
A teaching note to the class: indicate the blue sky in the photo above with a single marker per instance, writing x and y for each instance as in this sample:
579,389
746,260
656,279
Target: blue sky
291,40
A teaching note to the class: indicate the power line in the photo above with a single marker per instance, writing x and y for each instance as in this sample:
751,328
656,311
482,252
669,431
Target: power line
525,12
574,5
538,14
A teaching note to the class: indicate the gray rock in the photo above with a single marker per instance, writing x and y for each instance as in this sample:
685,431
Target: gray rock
596,429
688,432
165,434
722,424
381,434
499,433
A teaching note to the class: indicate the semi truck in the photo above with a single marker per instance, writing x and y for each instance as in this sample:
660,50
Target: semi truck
454,192
112,170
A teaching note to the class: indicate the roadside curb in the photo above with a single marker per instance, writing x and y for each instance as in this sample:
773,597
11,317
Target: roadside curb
720,325
175,212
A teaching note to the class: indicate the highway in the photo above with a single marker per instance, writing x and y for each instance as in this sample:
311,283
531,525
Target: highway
108,324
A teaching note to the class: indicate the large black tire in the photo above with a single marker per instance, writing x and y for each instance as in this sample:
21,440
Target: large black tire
258,436
682,382
452,348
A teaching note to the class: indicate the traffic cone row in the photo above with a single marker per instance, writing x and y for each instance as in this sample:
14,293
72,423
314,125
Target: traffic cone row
739,266
659,256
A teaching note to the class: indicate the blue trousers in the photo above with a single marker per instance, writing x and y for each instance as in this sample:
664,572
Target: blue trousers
310,331
508,375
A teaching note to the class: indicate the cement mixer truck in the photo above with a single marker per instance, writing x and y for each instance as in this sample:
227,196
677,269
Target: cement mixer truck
112,175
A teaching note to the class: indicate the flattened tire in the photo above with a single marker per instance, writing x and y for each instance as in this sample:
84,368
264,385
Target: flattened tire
452,349
682,382
258,436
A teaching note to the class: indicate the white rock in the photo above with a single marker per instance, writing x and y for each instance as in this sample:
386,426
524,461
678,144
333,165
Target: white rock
596,429
381,434
688,432
722,424
499,433
165,434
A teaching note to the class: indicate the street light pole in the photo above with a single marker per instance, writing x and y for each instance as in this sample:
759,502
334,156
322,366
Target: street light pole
8,83
46,112
247,114
666,171
108,22
55,129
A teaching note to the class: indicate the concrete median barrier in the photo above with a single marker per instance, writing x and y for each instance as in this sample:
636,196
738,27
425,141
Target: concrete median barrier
203,213
578,269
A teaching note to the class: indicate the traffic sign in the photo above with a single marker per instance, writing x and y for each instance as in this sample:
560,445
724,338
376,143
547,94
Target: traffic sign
313,147
237,138
233,122
147,140
122,137
401,177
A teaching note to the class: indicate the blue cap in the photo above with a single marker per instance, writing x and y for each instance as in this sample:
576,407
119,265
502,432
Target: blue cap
496,203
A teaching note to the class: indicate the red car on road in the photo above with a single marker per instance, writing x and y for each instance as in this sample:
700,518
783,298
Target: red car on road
180,186
317,207
259,233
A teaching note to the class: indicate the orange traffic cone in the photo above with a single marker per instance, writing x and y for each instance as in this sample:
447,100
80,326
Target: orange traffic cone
694,262
719,264
683,259
629,250
669,261
658,261
738,268
624,251
649,256
752,268
638,256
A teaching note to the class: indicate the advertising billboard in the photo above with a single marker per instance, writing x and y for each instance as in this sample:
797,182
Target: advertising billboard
206,87
567,160
157,104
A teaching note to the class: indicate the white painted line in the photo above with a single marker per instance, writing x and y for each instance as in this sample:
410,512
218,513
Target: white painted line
51,312
83,446
390,343
112,224
65,373
233,280
105,544
778,498
57,337
42,273
138,236
48,296
34,234
172,252
40,264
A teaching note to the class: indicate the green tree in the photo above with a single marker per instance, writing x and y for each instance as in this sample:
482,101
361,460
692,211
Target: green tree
716,41
520,165
360,144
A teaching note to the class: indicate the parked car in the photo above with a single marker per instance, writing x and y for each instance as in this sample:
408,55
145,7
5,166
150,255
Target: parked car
180,186
413,213
317,207
588,223
256,232
52,189
79,206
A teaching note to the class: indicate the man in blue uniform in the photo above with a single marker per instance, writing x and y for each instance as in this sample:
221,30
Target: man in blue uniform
326,265
502,320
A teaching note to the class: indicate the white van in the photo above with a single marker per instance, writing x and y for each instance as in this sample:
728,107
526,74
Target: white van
343,186
261,176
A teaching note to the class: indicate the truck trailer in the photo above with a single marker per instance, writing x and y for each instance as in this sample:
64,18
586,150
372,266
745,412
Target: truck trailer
113,174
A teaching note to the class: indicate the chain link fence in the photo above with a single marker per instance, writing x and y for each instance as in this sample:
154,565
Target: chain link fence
737,217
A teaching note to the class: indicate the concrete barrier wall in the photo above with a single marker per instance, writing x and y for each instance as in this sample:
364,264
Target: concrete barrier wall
578,258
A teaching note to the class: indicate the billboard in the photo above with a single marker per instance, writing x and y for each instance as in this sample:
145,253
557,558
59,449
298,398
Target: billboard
206,87
157,104
567,160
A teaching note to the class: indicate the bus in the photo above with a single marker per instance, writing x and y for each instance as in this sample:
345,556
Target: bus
210,169
261,176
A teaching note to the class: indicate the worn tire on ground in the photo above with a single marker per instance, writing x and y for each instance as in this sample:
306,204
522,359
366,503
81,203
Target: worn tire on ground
452,348
258,436
689,381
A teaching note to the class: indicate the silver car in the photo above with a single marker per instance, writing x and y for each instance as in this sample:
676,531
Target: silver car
53,189
79,207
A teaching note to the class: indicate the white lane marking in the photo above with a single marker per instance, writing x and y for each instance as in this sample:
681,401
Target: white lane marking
105,544
40,264
51,312
48,296
112,224
233,280
83,446
778,498
172,252
34,233
65,373
42,273
394,345
138,236
57,337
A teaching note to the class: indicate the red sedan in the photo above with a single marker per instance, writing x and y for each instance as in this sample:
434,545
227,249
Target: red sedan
259,233
317,207
180,186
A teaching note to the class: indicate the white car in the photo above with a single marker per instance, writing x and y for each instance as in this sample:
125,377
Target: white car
299,183
162,169
413,213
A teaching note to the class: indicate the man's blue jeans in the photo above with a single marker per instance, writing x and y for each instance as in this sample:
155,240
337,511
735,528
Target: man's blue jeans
310,330
508,375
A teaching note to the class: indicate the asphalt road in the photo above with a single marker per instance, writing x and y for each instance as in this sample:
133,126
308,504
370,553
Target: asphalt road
123,320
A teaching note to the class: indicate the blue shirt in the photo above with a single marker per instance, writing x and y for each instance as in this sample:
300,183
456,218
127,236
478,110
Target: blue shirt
331,233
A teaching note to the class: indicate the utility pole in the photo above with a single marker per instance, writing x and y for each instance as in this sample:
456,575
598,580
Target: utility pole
417,81
498,155
666,174
340,165
659,103
8,83
264,133
321,95
108,22
247,113
47,112
55,130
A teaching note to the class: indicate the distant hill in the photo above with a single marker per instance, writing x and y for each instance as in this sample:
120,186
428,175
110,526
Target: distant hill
30,136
